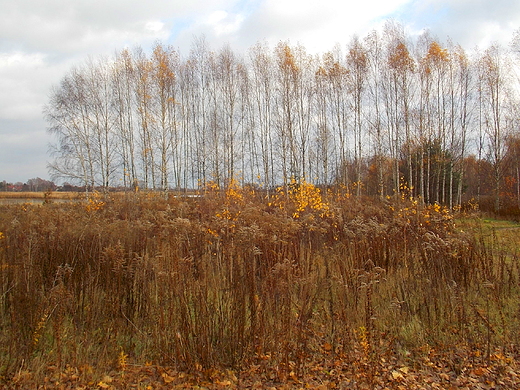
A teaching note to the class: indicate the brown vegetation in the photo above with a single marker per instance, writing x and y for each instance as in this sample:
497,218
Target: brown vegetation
236,290
41,195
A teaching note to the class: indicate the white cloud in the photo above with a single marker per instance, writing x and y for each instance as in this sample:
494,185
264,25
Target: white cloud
69,27
154,26
318,25
470,23
22,84
224,23
17,59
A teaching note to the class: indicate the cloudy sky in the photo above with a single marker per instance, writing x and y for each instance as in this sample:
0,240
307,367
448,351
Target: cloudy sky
41,40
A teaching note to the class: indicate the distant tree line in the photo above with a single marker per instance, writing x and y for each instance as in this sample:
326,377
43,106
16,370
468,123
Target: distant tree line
386,115
32,185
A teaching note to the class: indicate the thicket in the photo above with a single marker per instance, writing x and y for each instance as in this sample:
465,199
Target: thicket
234,280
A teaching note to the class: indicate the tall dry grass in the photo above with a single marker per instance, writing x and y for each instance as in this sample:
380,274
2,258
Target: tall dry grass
236,280
50,195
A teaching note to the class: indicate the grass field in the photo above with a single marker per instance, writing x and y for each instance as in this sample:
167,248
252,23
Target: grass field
502,235
40,195
235,290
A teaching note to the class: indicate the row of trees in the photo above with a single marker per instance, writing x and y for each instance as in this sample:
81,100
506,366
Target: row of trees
387,114
32,185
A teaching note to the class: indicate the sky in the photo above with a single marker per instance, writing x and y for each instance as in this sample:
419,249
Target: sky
40,41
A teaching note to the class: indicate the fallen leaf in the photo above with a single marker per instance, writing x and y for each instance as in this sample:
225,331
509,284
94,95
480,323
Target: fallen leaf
479,371
166,378
107,379
293,376
396,375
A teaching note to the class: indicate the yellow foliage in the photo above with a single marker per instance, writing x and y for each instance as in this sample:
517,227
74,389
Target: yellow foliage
212,186
122,360
437,54
234,193
364,341
228,215
400,59
94,203
411,209
212,232
39,327
301,197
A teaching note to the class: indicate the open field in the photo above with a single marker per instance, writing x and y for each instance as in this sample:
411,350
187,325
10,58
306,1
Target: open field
234,290
55,195
40,195
503,236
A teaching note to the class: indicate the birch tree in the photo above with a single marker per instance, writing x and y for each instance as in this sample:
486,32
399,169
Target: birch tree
357,65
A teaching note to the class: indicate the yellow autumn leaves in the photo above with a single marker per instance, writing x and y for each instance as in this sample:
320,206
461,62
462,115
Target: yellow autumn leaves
94,203
297,198
300,197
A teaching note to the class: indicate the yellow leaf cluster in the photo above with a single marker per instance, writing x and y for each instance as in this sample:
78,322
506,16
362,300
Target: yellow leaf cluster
228,215
364,341
234,193
302,197
94,203
39,327
122,360
211,186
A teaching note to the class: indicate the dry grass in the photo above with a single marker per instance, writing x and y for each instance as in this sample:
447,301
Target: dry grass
41,195
236,281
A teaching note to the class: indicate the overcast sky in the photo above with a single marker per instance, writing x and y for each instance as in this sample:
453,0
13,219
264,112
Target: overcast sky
41,40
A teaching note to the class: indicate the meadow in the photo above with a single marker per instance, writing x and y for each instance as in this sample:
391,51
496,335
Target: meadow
299,288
